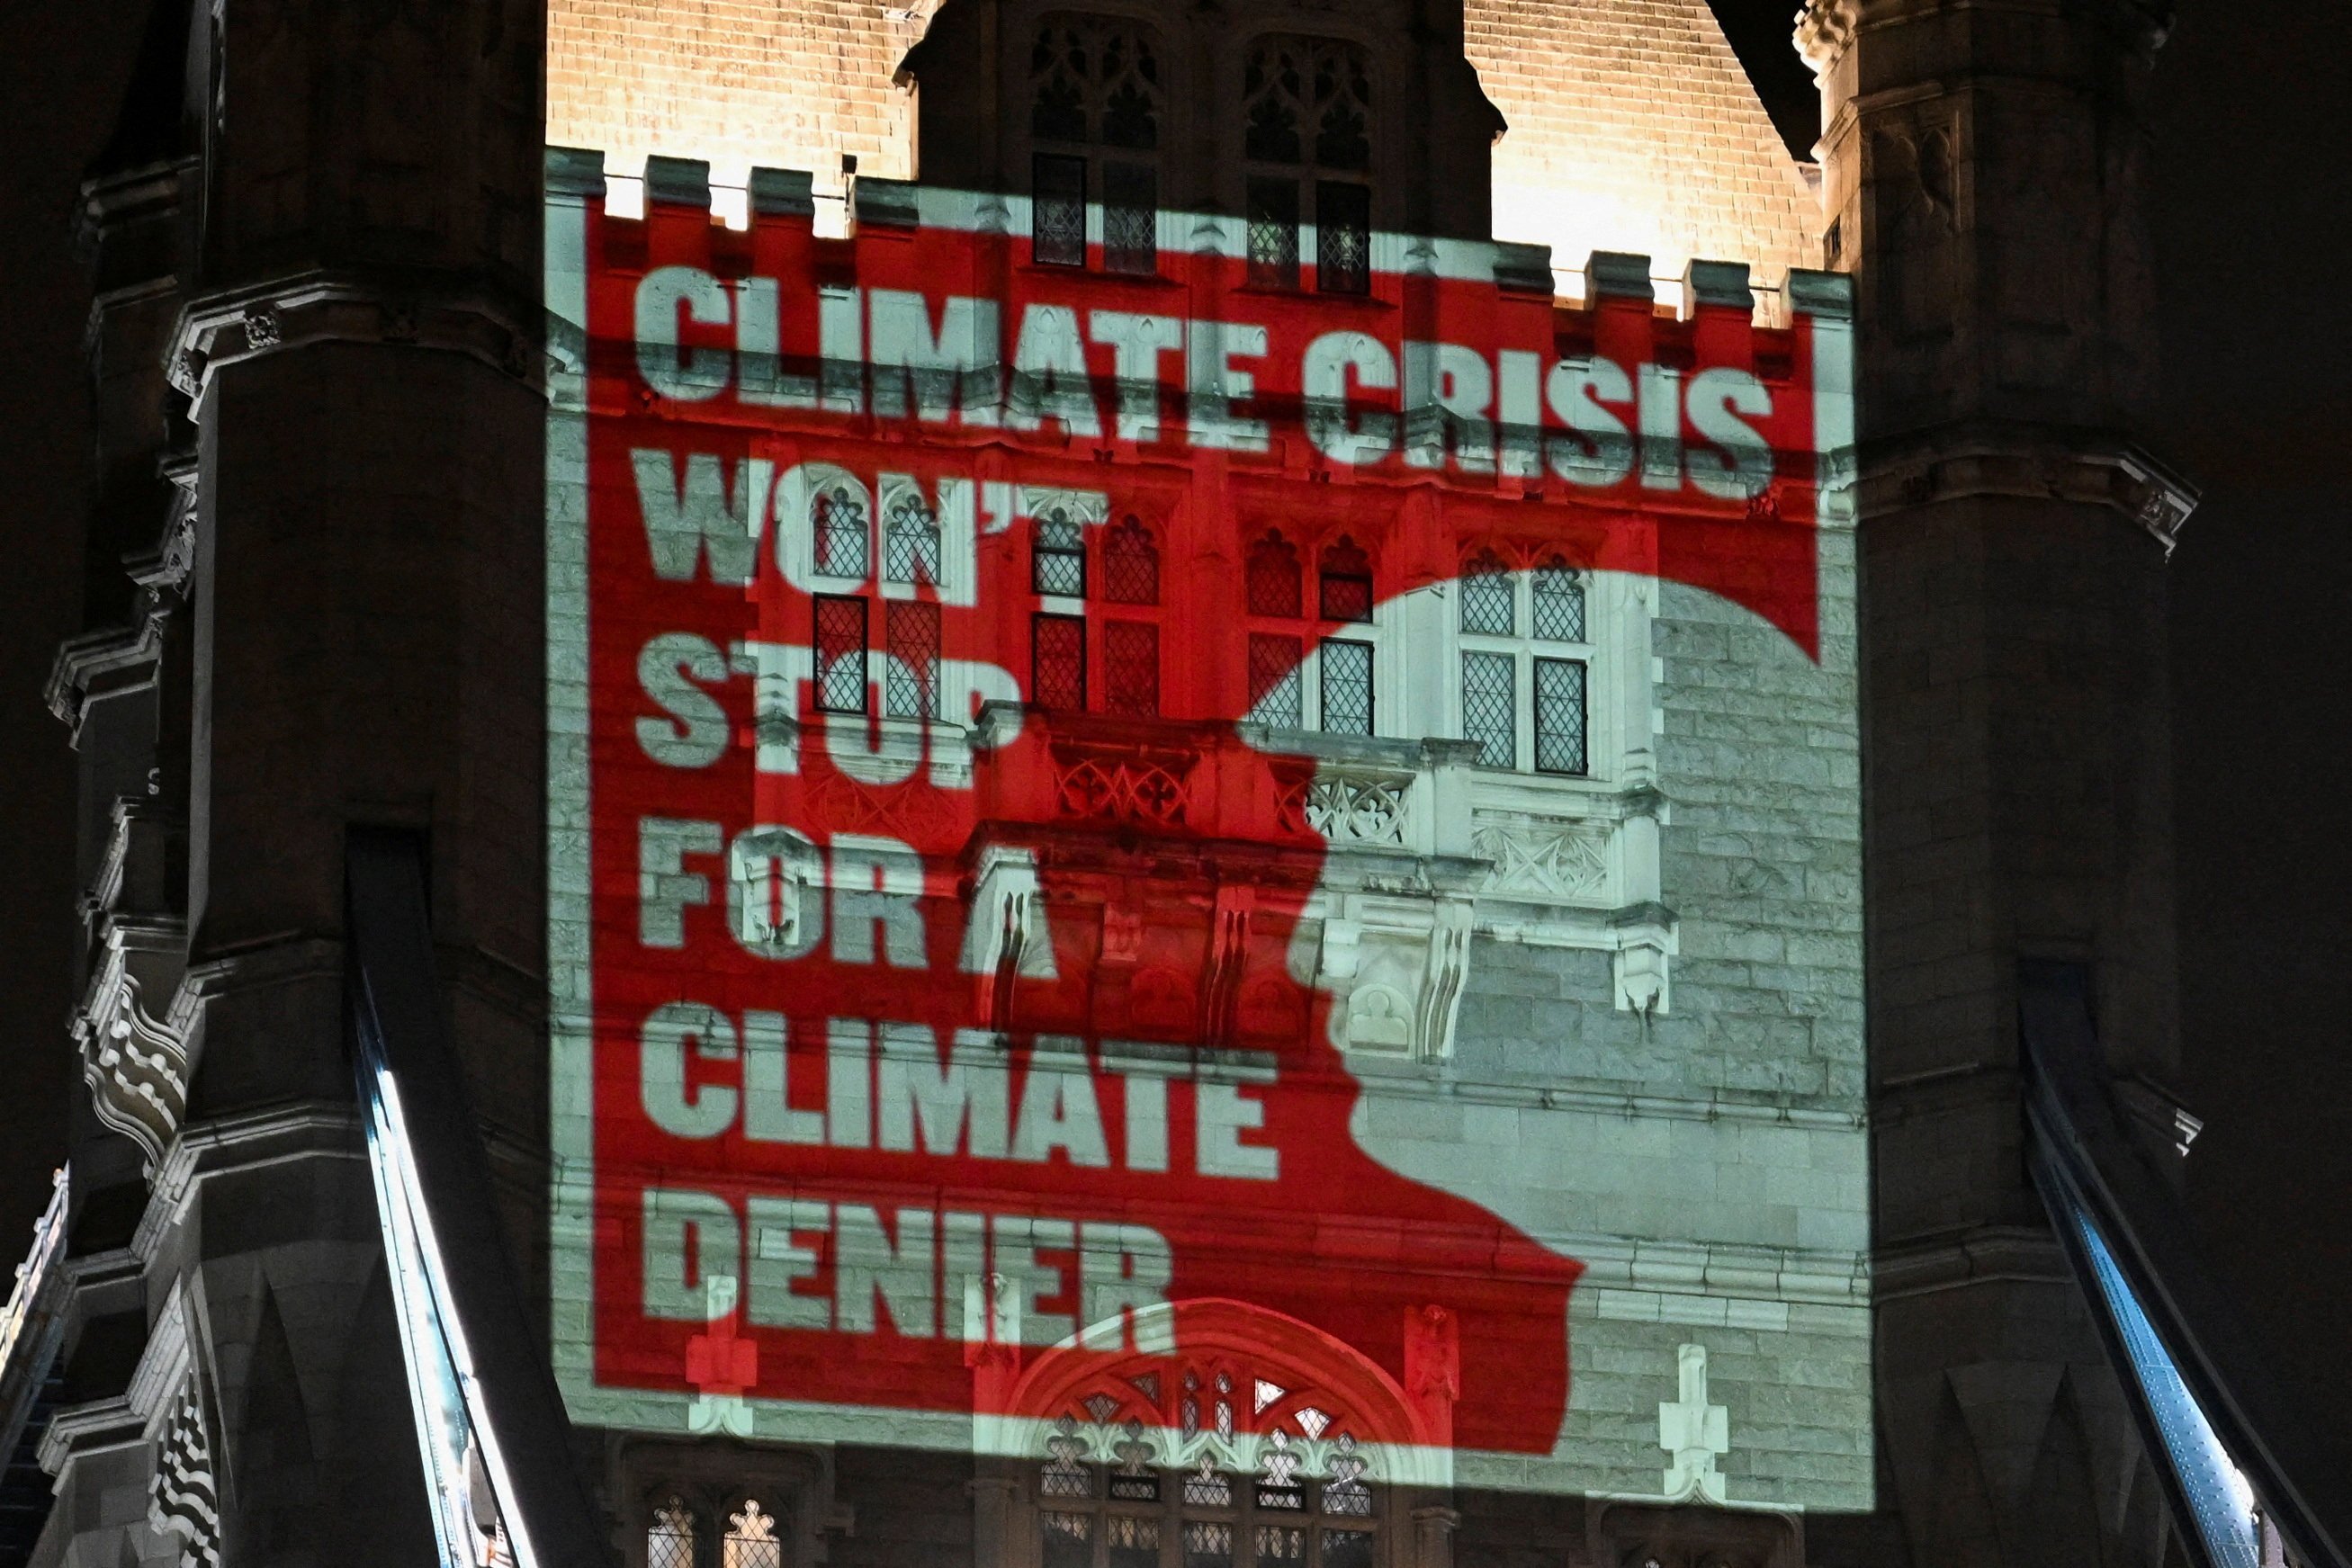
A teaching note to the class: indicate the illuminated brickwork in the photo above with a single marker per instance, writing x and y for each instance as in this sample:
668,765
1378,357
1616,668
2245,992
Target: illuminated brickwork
737,82
1634,129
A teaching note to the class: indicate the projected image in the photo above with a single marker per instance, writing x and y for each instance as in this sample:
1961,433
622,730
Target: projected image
1116,854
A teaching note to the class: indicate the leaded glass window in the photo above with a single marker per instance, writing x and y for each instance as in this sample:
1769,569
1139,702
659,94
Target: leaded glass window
1343,237
1560,716
1057,210
669,1542
1273,586
840,644
1057,662
1274,682
750,1540
910,686
1489,597
1559,597
1273,232
1490,706
1208,1543
1346,583
1095,82
1132,1540
1306,114
1057,561
1131,564
1347,687
839,519
910,542
1069,1539
1131,668
1130,218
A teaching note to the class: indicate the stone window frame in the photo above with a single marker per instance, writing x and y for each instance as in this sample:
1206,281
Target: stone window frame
1309,172
1523,647
1313,631
1098,612
1093,152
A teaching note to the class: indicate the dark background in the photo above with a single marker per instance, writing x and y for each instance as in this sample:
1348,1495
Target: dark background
2250,186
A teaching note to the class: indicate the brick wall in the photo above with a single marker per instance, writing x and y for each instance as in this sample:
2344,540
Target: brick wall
1633,128
739,82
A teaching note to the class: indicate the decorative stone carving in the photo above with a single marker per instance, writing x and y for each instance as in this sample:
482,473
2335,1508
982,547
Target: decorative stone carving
1565,865
1137,790
1693,1432
1396,967
1350,808
136,1065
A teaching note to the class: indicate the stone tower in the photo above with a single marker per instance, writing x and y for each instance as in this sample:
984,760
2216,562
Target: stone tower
1982,182
317,242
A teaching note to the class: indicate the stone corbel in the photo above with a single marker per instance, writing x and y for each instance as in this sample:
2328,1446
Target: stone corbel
1640,972
1396,969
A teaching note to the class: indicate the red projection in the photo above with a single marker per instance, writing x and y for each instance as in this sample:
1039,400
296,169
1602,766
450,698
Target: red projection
951,886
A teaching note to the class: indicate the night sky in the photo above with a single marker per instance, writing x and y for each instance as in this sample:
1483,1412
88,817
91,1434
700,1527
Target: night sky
2250,197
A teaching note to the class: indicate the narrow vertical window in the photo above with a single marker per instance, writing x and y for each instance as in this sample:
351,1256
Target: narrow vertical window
1273,233
1057,210
910,542
1133,1540
839,519
1488,597
840,644
1068,1539
1559,597
1208,1543
669,1544
1131,668
1346,584
1274,684
910,686
1490,706
1130,218
1057,560
750,1540
1131,564
1057,662
1343,237
1560,716
1273,586
1347,686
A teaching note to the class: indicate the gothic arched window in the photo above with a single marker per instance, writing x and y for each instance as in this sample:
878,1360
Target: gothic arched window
1277,644
669,1541
1067,644
1131,564
1095,100
1249,1474
837,516
1306,141
750,1540
911,541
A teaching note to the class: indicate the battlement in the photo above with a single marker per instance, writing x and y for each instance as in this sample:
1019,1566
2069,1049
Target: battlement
770,197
